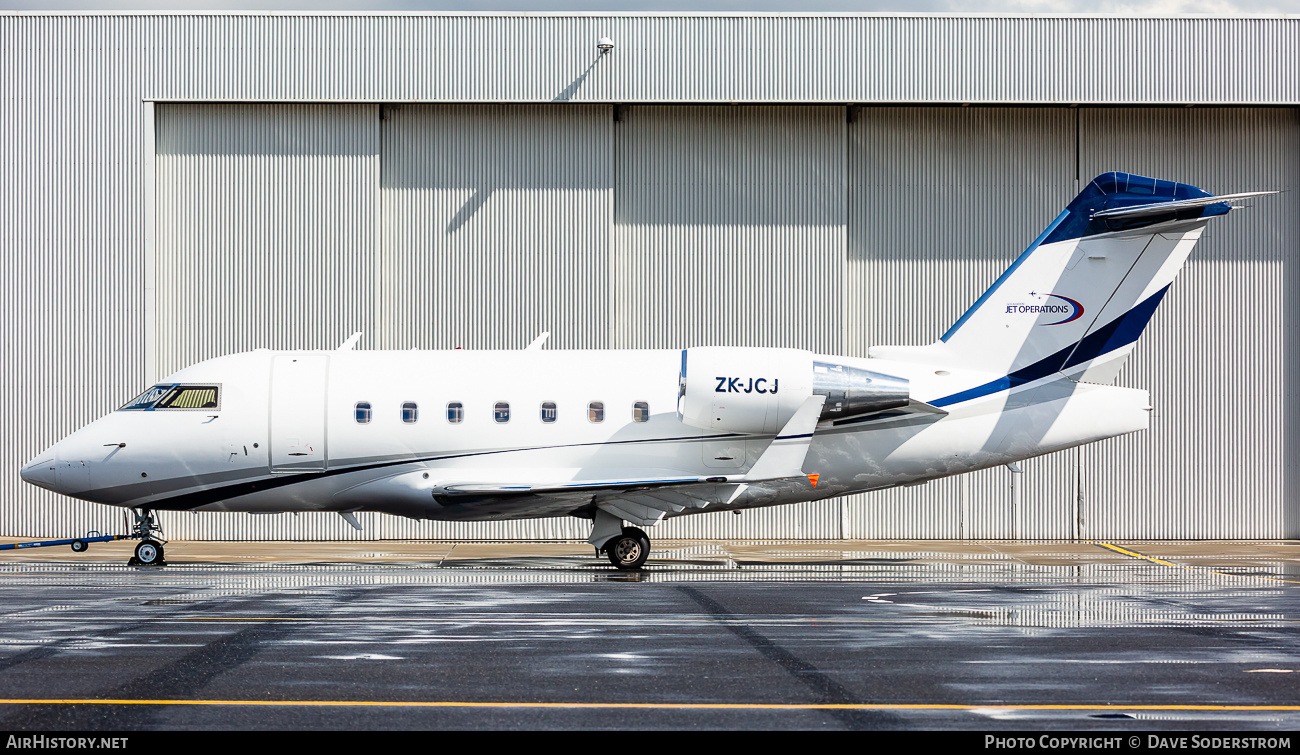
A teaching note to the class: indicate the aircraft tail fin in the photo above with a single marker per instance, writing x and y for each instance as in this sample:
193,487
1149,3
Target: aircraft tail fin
1078,298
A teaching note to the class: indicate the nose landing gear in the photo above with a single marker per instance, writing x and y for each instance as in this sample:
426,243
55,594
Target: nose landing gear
146,529
148,553
150,550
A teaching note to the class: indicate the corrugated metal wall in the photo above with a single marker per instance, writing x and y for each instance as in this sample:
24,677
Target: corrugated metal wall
942,201
495,226
266,234
1221,353
71,229
266,228
731,225
716,58
731,231
79,137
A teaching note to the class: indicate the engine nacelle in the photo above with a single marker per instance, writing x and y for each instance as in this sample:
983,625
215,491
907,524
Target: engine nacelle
756,391
739,390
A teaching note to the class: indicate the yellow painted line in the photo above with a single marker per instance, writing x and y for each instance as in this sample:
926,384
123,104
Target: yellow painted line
1118,549
646,706
1153,560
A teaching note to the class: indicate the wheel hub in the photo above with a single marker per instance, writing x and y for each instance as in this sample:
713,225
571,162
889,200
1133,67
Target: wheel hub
628,550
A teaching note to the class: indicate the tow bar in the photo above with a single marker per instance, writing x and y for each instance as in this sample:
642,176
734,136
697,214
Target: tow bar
79,544
149,552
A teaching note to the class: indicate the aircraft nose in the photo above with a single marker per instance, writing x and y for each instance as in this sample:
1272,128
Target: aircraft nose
40,472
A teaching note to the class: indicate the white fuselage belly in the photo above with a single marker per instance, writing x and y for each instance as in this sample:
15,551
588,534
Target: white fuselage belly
246,455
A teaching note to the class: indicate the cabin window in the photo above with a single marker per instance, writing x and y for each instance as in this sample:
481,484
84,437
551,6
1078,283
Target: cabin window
410,412
362,412
596,411
549,412
640,411
455,412
501,411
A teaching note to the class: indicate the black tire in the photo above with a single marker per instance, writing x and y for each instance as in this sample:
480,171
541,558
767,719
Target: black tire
628,552
636,532
148,553
80,546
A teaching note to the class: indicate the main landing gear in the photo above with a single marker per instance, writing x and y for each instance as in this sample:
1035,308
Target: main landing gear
149,552
627,548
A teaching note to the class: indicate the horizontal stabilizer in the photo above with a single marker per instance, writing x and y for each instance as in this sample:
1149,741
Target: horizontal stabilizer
1160,208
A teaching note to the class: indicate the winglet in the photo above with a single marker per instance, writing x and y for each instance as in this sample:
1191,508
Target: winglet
784,457
536,345
351,343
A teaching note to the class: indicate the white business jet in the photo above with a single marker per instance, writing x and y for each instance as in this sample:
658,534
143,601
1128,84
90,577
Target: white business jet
635,437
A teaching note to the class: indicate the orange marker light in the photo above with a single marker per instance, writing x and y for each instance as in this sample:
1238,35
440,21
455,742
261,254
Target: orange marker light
814,477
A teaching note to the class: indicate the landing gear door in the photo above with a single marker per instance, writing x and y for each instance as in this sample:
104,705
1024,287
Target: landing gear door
298,412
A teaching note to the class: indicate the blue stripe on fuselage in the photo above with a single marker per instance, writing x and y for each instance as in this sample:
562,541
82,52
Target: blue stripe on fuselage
1115,335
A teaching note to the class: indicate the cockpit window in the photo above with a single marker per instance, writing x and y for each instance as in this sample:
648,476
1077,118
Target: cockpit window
176,397
190,397
146,399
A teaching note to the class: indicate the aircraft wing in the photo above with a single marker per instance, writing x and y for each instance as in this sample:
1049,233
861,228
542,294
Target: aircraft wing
455,489
641,502
644,499
647,507
642,496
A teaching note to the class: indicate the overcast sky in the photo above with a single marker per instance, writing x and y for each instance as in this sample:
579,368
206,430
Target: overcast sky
1101,7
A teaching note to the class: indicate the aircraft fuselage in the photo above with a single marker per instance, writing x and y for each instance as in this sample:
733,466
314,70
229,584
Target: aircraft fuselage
312,430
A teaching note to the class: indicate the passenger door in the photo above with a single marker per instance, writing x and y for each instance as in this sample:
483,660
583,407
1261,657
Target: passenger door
298,412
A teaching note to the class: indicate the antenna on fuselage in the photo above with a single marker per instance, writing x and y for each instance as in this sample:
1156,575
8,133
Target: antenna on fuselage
351,343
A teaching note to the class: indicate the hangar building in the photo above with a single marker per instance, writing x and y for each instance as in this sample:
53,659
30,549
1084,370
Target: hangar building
180,186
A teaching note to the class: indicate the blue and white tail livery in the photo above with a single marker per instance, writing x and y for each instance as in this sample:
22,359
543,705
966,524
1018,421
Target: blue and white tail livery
1075,302
640,436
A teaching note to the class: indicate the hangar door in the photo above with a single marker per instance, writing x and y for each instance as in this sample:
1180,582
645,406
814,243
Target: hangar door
265,228
495,225
944,199
291,226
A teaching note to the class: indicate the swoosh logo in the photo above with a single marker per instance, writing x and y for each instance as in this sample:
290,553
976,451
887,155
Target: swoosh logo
1078,310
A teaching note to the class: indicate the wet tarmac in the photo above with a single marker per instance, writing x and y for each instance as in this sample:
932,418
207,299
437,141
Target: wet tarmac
1123,636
